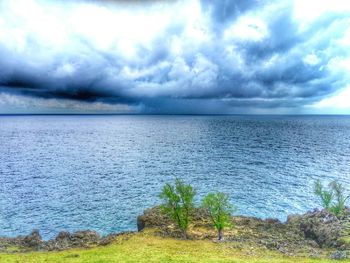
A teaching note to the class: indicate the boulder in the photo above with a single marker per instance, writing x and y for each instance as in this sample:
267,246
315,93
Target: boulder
153,217
65,240
33,240
338,255
141,223
61,242
85,238
320,226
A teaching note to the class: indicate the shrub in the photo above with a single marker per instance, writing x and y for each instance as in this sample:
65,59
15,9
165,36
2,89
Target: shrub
178,203
325,196
338,207
333,199
220,210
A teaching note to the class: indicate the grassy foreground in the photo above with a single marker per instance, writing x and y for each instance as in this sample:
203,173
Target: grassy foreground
147,247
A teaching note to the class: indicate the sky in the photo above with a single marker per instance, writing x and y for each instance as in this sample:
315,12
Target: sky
175,57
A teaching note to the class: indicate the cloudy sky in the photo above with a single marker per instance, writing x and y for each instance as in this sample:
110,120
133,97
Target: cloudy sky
193,56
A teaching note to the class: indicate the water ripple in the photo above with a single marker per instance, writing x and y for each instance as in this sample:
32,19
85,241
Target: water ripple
100,172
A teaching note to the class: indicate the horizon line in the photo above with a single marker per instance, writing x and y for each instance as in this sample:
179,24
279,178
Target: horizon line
169,114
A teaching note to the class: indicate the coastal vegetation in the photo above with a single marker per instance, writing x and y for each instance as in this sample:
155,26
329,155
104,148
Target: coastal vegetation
334,198
314,237
178,203
179,231
220,210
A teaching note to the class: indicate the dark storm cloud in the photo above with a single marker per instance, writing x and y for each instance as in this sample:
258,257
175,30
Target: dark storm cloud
233,54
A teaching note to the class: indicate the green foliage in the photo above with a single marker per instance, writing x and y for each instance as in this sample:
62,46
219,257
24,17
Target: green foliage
333,199
178,203
325,196
219,209
338,207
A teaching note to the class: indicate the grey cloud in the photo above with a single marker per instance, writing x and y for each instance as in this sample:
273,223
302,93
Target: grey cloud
204,77
223,11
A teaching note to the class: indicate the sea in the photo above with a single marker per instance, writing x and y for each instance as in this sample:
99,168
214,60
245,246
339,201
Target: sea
99,172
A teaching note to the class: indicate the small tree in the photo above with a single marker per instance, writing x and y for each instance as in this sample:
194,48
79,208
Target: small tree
220,210
325,196
333,199
178,203
338,207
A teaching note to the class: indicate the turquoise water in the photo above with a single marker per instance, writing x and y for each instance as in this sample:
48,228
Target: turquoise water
100,172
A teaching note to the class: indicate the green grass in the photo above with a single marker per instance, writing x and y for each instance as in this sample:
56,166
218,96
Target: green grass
345,239
146,247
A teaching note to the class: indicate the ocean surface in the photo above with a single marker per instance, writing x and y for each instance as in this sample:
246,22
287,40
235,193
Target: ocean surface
100,172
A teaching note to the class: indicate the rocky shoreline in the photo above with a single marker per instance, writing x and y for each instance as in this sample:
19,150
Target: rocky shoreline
315,234
63,241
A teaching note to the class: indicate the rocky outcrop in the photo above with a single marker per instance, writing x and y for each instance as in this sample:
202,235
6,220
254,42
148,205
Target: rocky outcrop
310,232
33,240
338,255
300,234
30,242
153,217
324,228
64,240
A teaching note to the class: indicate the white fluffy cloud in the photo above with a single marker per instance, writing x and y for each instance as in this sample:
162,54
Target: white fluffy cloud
335,103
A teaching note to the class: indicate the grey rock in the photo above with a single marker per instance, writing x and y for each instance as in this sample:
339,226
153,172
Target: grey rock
338,255
320,226
141,224
33,240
